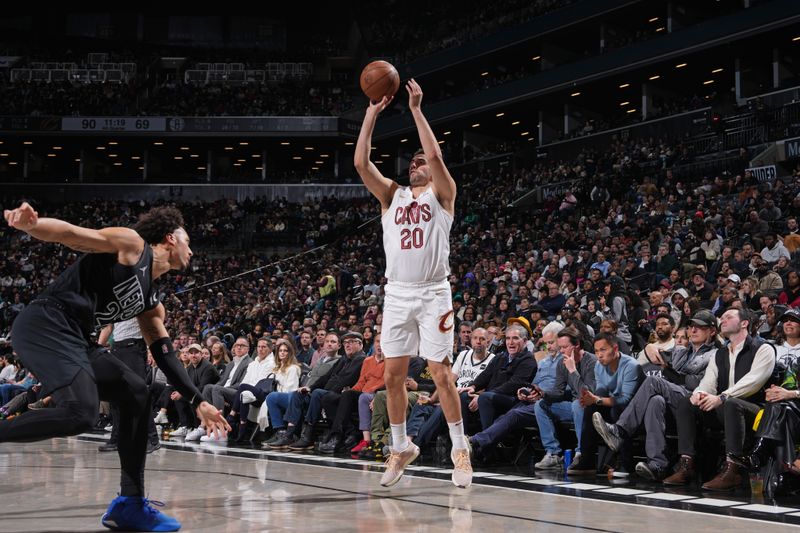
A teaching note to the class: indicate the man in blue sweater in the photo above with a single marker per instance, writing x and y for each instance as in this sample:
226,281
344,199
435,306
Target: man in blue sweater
617,376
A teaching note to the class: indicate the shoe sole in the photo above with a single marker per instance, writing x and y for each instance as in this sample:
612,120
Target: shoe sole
602,430
400,474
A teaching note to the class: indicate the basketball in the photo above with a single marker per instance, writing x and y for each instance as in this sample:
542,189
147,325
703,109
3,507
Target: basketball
379,79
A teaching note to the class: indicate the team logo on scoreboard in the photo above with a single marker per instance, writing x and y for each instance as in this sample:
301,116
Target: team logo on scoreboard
176,124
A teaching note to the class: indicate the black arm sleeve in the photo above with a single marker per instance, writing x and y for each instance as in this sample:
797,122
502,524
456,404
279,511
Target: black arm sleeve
164,354
671,375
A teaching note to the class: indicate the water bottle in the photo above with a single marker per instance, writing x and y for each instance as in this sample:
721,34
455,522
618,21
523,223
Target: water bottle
567,458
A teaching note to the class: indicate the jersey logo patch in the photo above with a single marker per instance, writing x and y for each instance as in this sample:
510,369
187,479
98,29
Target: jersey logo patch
444,325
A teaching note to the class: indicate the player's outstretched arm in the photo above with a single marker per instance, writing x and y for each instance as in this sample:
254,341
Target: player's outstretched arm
444,186
380,186
106,240
155,335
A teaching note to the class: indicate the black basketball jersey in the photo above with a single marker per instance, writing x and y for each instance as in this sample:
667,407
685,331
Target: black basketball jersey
97,290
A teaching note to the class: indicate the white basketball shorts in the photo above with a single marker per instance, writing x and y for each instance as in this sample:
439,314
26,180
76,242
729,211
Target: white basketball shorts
418,319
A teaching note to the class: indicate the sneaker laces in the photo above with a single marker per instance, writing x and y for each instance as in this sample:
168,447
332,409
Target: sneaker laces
149,506
394,459
462,461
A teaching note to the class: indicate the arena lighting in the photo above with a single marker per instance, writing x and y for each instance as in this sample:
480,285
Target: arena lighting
317,168
403,140
654,19
12,162
158,143
716,70
244,143
3,155
660,29
178,157
237,164
681,65
101,147
135,157
530,138
112,143
348,143
77,160
576,94
194,155
536,58
384,155
624,103
51,155
624,85
259,168
57,148
324,155
376,162
297,157
651,78
441,142
631,111
500,114
708,82
117,164
796,39
242,160
256,155
484,73
285,143
27,142
201,168
524,133
185,148
447,133
310,148
319,162
476,124
229,148
516,122
140,168
113,155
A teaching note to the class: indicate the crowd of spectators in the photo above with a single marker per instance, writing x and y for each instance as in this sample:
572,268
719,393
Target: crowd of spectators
407,32
628,242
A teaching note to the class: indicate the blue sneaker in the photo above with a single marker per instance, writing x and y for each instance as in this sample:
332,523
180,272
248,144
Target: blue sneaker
135,513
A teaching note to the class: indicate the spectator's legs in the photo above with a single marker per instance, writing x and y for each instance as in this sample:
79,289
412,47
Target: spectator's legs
491,405
380,416
277,405
547,414
365,414
739,417
519,416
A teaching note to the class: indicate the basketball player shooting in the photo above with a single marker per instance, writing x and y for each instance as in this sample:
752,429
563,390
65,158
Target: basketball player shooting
418,308
113,281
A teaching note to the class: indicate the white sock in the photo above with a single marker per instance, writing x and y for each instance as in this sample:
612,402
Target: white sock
457,435
399,439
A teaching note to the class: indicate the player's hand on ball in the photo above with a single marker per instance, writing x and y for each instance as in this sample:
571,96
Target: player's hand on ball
380,105
23,218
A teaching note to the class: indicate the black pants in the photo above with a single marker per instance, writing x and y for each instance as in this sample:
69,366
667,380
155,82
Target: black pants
76,408
340,409
735,416
134,354
591,442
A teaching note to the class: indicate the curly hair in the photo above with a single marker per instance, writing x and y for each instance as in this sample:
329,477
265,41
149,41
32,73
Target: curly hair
157,223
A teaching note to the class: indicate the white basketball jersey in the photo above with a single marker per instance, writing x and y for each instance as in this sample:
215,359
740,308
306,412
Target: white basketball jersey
416,238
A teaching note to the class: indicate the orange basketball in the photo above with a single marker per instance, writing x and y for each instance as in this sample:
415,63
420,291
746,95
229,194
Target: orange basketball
379,79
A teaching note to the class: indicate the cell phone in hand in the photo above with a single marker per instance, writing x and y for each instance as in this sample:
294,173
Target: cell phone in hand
525,391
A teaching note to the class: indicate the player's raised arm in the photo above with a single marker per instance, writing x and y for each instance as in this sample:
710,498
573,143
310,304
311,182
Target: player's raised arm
106,240
444,186
380,186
